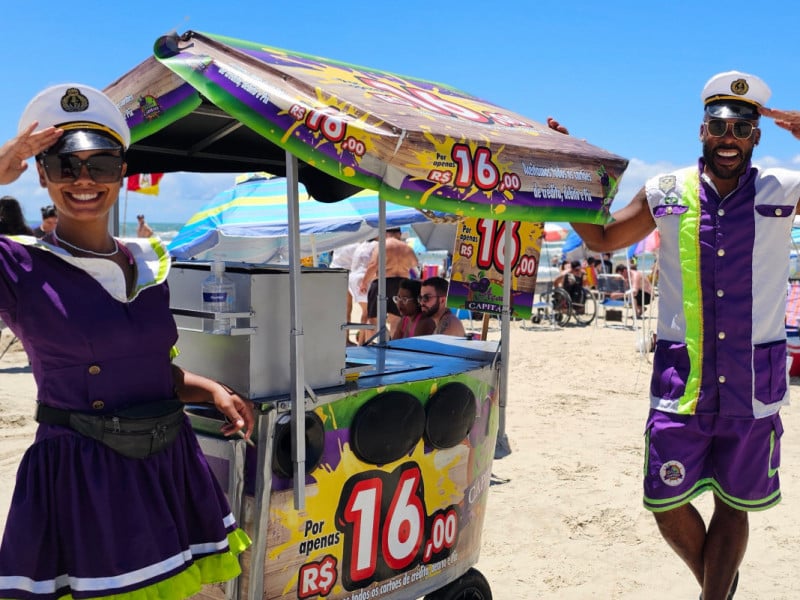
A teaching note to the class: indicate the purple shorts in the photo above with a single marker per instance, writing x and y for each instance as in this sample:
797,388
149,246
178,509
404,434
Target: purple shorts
687,455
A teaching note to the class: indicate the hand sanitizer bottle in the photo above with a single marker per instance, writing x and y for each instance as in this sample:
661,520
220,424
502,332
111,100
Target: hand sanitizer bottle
219,296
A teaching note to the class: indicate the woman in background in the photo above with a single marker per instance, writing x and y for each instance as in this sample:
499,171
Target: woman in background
12,221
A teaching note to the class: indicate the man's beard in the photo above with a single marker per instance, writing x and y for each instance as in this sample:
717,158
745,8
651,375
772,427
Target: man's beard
430,311
725,172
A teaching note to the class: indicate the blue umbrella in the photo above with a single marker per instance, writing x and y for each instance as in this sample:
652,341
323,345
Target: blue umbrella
572,241
249,223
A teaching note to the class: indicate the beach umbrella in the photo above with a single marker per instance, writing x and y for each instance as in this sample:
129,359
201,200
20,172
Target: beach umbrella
796,234
554,232
249,223
436,236
572,241
573,247
650,243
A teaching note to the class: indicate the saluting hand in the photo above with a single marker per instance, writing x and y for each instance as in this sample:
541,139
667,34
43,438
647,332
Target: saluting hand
15,152
787,119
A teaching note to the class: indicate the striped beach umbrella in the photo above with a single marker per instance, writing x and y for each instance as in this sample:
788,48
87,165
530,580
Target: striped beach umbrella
249,223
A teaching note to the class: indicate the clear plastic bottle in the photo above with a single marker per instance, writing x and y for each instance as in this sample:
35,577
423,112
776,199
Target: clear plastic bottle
219,296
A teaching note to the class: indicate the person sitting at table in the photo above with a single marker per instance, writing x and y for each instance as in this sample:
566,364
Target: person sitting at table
637,287
412,321
433,301
572,281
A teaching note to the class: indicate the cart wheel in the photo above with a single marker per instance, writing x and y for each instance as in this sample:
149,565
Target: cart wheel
472,585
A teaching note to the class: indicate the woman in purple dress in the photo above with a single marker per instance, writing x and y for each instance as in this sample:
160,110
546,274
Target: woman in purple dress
114,496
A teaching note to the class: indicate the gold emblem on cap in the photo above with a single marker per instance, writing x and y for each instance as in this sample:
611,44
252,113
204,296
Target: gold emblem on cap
74,101
740,87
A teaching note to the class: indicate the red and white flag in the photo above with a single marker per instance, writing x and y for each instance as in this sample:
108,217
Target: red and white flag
145,183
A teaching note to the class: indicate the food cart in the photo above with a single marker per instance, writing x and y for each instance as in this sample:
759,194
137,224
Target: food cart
370,472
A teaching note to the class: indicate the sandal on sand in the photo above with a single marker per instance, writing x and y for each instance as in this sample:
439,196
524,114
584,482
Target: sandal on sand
734,585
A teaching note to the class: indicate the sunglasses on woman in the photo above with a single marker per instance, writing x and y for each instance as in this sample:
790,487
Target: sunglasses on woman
402,299
66,168
741,129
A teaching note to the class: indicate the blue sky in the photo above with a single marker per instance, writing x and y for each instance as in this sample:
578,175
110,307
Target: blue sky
625,75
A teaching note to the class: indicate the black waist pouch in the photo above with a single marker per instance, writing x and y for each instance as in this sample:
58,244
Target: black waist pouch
136,432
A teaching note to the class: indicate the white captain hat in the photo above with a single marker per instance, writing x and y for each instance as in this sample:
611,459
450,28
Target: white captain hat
735,95
90,120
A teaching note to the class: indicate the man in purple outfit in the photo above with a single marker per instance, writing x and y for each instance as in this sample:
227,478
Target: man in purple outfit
719,369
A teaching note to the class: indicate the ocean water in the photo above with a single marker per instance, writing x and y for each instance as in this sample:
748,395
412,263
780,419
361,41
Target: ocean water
165,231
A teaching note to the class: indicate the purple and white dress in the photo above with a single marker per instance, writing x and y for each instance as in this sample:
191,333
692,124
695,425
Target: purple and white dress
85,521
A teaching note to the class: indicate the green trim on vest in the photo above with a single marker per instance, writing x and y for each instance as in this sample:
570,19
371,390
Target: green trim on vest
689,244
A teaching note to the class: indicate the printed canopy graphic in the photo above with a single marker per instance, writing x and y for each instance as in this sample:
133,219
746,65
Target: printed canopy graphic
248,223
208,102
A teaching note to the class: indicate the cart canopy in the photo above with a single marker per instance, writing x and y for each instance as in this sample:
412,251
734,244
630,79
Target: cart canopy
209,103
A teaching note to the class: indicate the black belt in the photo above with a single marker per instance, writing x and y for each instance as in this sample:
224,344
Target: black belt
136,432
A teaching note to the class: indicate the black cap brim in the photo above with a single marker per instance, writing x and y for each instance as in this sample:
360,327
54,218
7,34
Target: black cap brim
80,140
732,109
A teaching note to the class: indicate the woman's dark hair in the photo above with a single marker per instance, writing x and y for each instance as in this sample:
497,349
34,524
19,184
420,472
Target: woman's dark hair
12,221
414,286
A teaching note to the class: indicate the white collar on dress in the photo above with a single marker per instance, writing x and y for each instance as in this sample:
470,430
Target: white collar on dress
150,255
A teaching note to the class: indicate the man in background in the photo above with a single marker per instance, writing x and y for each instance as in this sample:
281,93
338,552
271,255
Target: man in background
49,221
433,301
401,263
143,230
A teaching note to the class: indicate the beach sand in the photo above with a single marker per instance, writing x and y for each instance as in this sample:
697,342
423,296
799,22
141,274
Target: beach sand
565,519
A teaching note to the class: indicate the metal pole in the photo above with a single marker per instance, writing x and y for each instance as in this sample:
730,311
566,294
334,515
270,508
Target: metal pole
382,272
298,389
502,447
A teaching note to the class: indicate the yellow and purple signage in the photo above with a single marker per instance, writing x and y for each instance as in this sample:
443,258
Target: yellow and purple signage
479,258
395,529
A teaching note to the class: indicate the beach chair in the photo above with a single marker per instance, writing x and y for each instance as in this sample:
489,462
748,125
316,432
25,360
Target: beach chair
613,309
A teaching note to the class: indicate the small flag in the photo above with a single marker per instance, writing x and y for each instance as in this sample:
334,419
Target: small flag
145,183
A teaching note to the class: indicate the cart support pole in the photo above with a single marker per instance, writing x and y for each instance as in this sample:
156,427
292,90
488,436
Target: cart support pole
298,388
382,300
502,447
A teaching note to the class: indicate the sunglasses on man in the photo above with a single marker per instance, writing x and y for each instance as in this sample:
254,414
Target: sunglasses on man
742,130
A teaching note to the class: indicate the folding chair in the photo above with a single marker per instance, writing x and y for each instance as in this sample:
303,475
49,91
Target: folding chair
612,283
